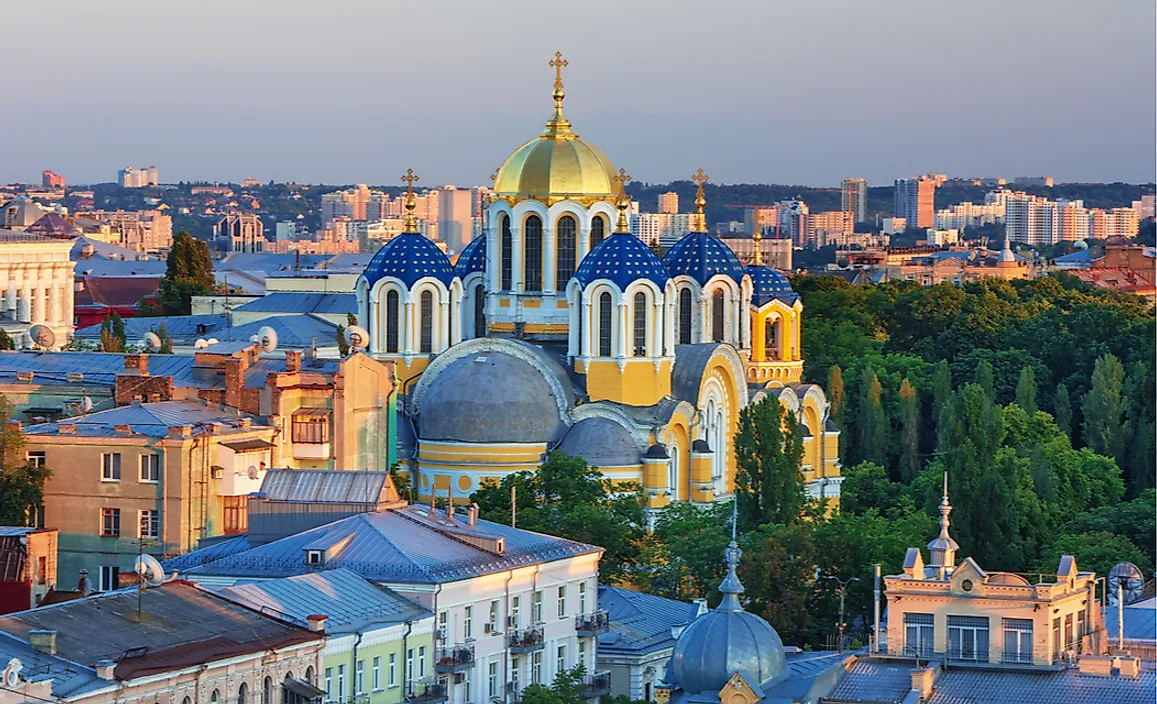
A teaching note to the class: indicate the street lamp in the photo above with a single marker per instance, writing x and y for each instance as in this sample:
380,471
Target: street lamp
843,585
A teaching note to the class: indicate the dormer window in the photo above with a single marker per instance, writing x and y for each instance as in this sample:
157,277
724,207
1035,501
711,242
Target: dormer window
313,557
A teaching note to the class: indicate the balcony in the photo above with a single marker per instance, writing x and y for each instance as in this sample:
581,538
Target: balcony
454,658
428,691
525,641
1009,657
597,684
591,624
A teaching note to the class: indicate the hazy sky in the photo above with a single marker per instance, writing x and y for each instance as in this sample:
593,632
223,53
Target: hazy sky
786,91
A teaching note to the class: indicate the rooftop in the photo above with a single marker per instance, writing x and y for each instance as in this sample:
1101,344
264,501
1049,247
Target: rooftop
303,302
149,420
641,623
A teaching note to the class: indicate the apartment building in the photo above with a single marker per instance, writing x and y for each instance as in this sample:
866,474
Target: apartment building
1115,222
818,228
455,218
854,197
27,566
349,203
51,179
668,202
244,233
130,177
969,214
914,201
1144,207
142,231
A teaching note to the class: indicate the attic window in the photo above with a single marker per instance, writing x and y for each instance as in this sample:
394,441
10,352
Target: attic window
313,557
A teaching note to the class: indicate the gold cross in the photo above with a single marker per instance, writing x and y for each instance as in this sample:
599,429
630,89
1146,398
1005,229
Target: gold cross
623,178
557,63
700,178
410,178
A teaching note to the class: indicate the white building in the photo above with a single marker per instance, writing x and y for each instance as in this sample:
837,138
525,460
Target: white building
36,286
1144,207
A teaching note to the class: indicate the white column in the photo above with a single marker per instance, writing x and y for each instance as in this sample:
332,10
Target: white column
516,278
409,333
549,259
619,336
669,326
446,327
584,244
572,333
704,320
373,327
655,343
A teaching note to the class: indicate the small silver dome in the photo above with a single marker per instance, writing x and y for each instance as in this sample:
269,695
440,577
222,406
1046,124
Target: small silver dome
601,442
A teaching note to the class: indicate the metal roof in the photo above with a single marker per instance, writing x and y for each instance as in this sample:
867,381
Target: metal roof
409,257
350,602
640,623
770,285
1140,621
179,327
328,486
622,258
150,419
292,330
303,302
471,259
68,678
701,256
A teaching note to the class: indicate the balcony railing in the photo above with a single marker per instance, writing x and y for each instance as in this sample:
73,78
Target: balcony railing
597,684
592,624
525,641
1009,657
454,658
968,654
428,691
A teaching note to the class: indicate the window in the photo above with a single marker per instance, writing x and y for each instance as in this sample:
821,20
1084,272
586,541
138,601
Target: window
582,597
309,674
421,661
492,680
329,683
1069,641
466,683
582,654
110,467
562,601
426,322
468,622
236,513
392,672
515,603
536,667
532,251
605,324
565,248
717,315
538,606
410,665
42,570
918,635
968,638
1056,637
150,524
494,615
341,683
110,577
359,677
1017,641
479,311
110,522
37,458
771,339
392,319
685,316
640,337
1081,632
267,691
560,662
311,427
515,673
243,693
150,468
214,697
598,230
506,244
377,673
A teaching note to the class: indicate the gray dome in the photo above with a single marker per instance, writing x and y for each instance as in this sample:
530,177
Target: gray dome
490,397
601,442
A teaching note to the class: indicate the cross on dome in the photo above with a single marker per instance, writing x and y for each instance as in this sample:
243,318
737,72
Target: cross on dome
701,178
410,178
622,203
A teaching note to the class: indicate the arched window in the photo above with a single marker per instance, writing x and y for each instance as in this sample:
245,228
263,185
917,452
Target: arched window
640,337
770,339
287,697
309,674
267,691
426,327
532,251
717,315
243,694
566,243
214,697
506,244
186,700
392,319
479,311
673,470
605,324
685,316
598,230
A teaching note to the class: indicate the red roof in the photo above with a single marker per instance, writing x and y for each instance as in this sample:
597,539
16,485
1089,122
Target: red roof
115,292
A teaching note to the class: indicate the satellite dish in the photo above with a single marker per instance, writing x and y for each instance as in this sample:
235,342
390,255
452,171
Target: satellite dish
212,341
12,673
252,472
253,338
268,338
150,570
151,341
42,336
357,337
1128,578
200,344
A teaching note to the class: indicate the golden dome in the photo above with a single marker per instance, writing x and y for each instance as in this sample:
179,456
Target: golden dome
558,164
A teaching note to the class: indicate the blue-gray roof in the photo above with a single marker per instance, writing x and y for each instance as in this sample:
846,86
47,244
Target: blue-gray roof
270,262
179,327
148,419
1081,256
472,259
409,257
68,678
640,623
1140,621
104,251
768,285
100,368
351,603
701,256
292,330
622,258
397,545
303,302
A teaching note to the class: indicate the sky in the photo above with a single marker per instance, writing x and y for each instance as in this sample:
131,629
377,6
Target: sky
759,91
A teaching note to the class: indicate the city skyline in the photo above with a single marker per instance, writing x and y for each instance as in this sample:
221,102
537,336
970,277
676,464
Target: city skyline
457,90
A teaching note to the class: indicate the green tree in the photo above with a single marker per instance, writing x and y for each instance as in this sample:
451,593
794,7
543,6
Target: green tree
1104,408
836,394
188,273
687,559
112,333
941,392
866,487
567,688
984,377
872,424
909,441
1026,391
768,452
6,341
1095,552
1063,409
778,572
166,346
21,481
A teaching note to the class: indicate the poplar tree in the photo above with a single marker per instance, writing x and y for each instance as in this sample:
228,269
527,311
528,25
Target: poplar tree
1026,391
871,421
1104,409
836,394
1063,410
768,453
941,393
984,377
909,464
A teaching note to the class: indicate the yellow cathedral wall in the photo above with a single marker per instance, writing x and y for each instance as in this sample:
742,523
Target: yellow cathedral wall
639,383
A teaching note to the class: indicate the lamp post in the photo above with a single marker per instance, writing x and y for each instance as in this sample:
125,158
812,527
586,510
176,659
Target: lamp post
843,585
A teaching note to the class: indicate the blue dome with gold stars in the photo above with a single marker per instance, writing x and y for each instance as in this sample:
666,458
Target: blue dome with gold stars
701,256
769,285
621,258
472,259
409,257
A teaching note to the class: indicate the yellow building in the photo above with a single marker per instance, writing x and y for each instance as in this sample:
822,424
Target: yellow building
554,332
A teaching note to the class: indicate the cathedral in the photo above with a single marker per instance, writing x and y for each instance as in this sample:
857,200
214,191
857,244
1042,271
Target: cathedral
559,330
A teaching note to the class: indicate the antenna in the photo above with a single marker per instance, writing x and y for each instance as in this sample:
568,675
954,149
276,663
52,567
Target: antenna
151,341
268,338
41,336
357,336
1125,579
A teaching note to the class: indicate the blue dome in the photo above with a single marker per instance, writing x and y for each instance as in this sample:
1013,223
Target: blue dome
622,258
472,259
769,285
702,255
409,257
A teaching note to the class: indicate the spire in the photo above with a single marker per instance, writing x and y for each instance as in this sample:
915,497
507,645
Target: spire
558,123
1006,255
623,202
730,587
700,200
409,178
943,549
757,237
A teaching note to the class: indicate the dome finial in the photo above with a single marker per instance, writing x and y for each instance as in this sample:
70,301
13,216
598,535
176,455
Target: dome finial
409,178
943,549
730,587
757,237
700,200
622,202
558,124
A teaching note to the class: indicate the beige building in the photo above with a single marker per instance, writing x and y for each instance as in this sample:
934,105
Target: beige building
831,223
854,197
349,203
140,230
775,253
245,233
913,201
668,202
36,287
455,217
1116,222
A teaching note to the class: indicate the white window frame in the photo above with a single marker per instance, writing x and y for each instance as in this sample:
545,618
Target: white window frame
359,677
341,683
560,660
392,671
538,606
582,590
492,679
468,622
562,601
536,667
329,683
151,529
154,460
110,466
376,669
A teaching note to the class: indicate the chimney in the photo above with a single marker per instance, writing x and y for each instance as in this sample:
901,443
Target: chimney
702,605
234,380
316,622
137,364
472,515
124,429
922,680
1128,666
43,641
244,422
180,431
66,428
13,425
105,669
293,360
